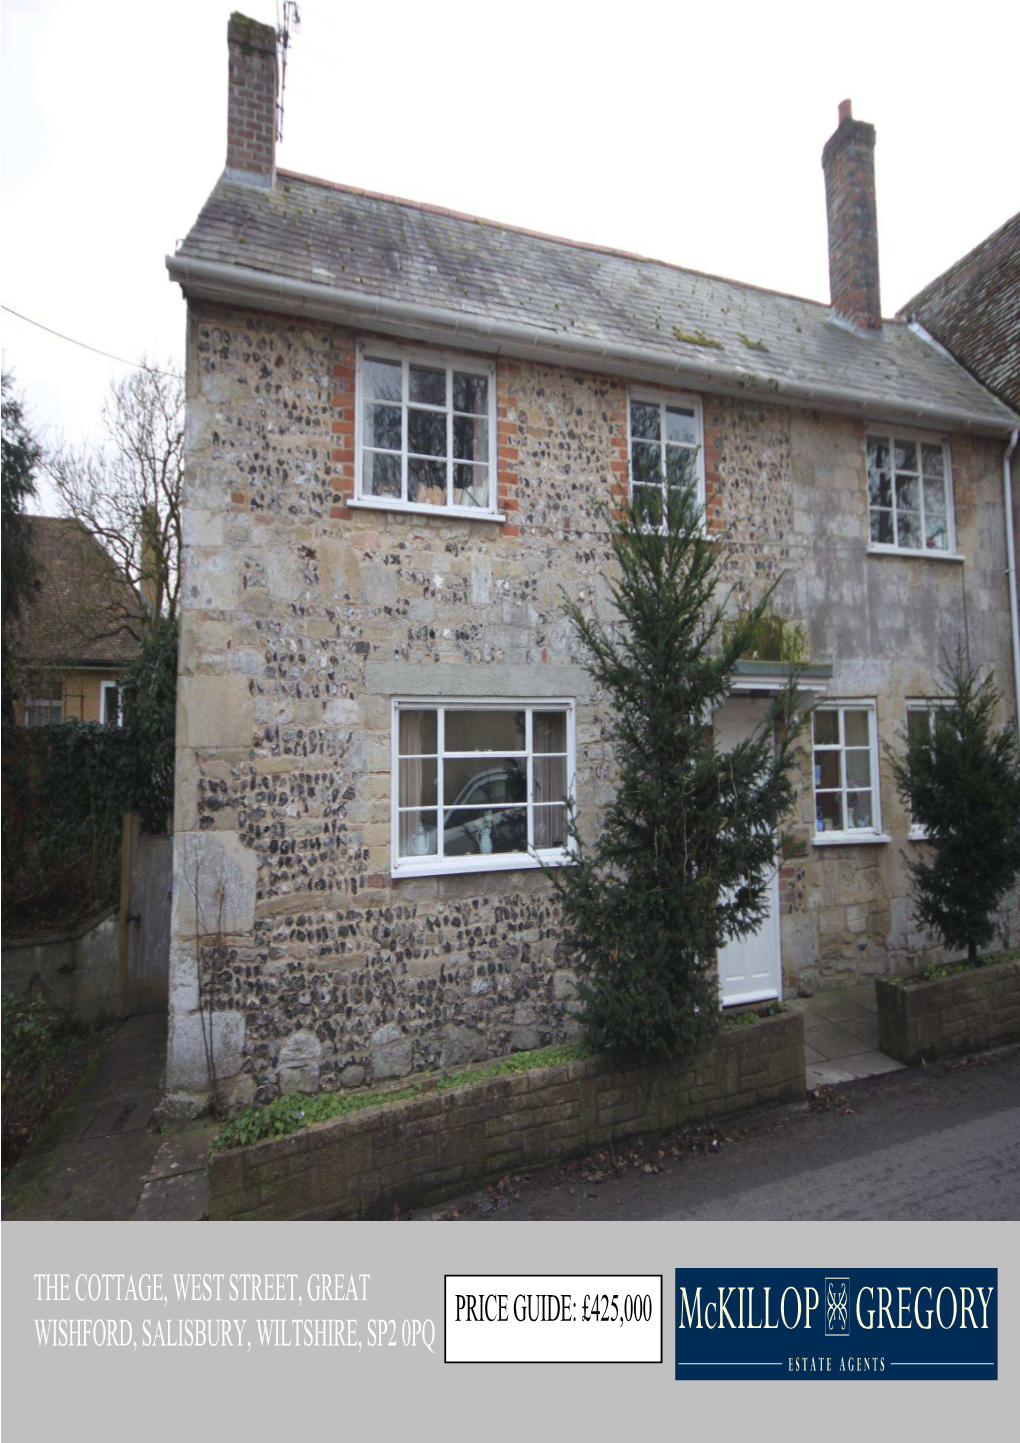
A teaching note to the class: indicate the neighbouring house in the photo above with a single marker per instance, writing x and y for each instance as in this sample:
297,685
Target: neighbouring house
973,310
406,427
78,629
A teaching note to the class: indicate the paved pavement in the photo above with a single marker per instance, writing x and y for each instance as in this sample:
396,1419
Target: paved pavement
841,1036
99,1156
933,1142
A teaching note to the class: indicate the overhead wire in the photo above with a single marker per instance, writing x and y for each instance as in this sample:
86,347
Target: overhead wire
96,350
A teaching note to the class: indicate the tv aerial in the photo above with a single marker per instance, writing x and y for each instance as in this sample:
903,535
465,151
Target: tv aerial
288,23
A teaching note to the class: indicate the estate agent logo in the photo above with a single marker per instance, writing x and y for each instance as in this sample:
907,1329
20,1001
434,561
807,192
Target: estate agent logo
866,1323
837,1317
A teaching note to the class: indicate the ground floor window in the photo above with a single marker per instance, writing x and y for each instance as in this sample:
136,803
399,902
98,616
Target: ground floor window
45,702
921,722
480,786
109,711
845,758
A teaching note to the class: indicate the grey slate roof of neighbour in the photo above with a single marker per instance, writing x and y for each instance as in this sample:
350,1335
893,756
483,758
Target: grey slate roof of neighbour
973,309
495,277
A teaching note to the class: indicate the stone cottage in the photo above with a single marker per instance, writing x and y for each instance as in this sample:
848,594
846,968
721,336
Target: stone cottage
404,427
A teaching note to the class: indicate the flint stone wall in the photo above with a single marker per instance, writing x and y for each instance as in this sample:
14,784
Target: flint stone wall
302,617
442,1143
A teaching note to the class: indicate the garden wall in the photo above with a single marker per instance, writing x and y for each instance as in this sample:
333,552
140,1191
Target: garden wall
968,1012
117,963
441,1143
77,970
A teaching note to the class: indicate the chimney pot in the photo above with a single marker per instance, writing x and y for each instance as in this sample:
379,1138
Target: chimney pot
251,102
848,161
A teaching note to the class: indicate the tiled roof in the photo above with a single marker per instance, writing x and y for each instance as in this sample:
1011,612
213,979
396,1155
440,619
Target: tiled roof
531,294
973,309
79,598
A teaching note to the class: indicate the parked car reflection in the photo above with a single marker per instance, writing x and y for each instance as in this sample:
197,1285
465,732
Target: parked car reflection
488,814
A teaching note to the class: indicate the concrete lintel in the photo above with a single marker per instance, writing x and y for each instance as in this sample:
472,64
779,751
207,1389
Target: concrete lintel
452,679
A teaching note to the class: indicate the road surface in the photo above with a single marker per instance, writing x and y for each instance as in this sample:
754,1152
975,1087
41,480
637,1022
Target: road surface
934,1142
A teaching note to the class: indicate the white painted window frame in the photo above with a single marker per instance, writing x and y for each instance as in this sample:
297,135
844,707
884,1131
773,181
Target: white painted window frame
926,706
104,689
860,835
663,399
882,431
505,862
435,360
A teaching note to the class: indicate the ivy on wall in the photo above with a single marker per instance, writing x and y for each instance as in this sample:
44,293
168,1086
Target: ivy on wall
67,786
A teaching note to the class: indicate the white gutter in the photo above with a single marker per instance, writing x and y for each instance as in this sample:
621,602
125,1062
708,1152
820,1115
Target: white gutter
1007,500
238,285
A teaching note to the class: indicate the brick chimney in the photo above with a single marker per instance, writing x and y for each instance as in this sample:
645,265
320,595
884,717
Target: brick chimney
251,101
848,161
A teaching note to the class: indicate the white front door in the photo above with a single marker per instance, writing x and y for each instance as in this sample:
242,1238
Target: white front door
750,968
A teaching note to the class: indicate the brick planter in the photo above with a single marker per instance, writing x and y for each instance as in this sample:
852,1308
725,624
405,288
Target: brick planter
967,1013
440,1143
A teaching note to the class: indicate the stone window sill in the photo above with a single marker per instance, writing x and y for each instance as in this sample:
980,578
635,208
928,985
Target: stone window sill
915,553
458,866
441,513
849,839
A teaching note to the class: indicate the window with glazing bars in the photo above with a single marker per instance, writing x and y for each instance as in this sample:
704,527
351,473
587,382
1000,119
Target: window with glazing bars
478,785
427,432
910,502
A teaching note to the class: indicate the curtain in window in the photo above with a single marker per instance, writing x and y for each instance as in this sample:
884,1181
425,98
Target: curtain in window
549,778
549,821
411,740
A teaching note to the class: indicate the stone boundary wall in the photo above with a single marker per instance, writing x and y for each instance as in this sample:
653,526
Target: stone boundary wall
442,1143
970,1012
76,971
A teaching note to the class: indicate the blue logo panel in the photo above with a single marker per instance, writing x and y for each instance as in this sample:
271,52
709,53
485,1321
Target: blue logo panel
849,1323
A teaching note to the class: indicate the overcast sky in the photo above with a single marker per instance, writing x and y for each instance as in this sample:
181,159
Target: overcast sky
691,134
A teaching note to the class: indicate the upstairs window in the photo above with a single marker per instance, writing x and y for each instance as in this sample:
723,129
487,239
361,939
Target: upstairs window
665,452
480,786
426,433
910,494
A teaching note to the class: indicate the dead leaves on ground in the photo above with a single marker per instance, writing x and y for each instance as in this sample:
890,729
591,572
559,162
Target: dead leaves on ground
638,1158
643,1157
825,1098
498,1195
963,1063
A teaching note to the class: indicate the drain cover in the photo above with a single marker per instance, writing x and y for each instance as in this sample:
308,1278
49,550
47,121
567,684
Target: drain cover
128,1114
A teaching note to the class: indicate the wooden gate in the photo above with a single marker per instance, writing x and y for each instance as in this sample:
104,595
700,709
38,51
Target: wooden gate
146,877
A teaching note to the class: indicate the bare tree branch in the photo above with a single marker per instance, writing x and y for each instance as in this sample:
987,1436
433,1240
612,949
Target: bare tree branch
125,489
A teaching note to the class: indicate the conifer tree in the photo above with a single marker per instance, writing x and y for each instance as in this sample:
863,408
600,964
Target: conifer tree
686,849
961,779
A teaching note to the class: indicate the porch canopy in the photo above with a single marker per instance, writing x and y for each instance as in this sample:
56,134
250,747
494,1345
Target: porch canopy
759,677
